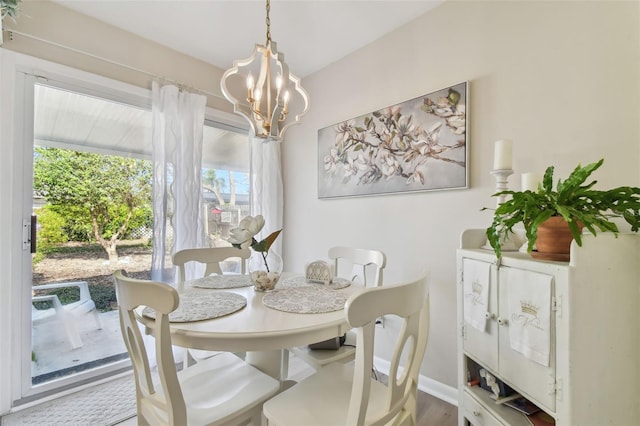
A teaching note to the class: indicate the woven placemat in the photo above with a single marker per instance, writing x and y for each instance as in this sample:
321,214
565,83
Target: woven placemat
300,280
309,299
203,305
221,281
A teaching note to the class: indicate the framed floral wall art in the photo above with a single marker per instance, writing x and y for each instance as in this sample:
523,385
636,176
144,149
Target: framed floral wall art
417,145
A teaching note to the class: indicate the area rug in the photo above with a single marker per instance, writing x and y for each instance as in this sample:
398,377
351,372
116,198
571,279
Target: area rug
101,405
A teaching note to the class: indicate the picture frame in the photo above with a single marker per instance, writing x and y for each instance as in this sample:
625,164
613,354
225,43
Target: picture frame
417,145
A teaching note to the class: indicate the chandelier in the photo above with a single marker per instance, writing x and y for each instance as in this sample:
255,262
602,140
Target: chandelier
273,100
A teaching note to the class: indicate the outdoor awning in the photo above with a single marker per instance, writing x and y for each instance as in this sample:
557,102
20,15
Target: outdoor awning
71,120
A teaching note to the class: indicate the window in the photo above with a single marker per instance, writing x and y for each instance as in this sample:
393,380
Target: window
225,181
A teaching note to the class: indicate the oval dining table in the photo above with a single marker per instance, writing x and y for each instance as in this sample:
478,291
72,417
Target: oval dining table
262,332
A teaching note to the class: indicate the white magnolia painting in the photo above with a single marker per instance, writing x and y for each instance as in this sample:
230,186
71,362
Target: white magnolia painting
418,145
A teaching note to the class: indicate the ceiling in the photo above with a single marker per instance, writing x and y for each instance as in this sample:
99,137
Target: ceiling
311,33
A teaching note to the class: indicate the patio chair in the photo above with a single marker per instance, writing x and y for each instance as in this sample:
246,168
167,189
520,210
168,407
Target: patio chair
346,394
69,313
221,390
359,260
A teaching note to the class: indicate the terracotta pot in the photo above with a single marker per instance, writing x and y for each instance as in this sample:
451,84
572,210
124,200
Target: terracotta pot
554,239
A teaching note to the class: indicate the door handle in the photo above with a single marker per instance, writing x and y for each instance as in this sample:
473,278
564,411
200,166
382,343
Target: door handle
34,228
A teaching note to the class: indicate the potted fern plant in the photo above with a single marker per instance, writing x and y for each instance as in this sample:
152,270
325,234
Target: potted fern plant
8,8
572,203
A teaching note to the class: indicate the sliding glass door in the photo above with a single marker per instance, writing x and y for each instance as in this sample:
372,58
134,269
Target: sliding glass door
86,213
89,207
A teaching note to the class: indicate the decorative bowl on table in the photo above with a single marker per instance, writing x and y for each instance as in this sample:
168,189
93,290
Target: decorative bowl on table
264,281
265,270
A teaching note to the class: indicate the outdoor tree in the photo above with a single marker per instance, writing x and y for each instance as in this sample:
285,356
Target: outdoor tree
102,194
52,225
213,182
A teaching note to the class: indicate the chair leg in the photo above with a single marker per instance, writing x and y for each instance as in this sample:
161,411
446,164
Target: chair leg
96,316
188,359
68,321
257,418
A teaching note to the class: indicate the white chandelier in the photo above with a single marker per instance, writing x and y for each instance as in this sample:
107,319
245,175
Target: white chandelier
274,100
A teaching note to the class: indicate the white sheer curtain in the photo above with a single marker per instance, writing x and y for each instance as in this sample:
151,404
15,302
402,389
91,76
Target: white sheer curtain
267,192
178,215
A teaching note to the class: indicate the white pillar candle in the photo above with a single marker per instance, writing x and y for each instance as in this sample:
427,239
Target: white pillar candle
502,155
530,181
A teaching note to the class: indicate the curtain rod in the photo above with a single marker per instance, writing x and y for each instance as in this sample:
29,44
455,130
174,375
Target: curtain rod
110,61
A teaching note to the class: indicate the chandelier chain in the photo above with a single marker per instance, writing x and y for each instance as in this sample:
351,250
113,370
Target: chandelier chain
268,21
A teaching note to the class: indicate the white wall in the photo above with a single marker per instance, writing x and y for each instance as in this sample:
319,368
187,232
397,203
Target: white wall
559,78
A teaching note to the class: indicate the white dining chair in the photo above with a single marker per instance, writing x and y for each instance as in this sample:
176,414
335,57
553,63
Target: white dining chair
221,390
346,394
357,265
211,260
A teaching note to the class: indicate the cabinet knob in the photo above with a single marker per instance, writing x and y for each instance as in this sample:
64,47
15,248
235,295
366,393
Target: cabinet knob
502,321
490,315
476,413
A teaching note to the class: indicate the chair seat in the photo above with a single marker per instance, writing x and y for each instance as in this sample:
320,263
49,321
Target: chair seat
308,403
222,386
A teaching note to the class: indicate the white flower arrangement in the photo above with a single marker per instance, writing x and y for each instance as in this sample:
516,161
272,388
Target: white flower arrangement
244,236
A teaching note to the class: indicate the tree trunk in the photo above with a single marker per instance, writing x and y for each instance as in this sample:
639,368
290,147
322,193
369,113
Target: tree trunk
110,247
232,189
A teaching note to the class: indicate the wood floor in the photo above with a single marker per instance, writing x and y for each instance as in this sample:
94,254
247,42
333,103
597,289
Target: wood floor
436,412
432,411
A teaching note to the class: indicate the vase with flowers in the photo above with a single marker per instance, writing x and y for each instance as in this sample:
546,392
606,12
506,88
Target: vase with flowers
264,266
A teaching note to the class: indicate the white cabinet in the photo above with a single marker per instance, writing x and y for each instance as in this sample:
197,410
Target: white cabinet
574,326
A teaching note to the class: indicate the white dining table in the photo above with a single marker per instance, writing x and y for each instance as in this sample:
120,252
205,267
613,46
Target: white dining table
262,332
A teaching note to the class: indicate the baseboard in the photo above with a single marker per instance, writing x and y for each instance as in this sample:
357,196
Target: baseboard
425,384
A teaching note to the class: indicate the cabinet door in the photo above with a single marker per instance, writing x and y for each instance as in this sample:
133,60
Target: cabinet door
527,333
480,344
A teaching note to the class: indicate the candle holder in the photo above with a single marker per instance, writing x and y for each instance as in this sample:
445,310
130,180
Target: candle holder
512,242
502,179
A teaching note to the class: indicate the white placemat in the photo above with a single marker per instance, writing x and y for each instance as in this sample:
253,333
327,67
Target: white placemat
309,299
202,305
222,281
300,280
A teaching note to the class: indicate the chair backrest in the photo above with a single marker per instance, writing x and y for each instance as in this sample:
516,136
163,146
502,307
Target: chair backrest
359,259
168,406
211,257
410,302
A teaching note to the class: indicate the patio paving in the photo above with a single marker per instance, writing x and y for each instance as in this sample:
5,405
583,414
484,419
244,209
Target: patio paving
55,357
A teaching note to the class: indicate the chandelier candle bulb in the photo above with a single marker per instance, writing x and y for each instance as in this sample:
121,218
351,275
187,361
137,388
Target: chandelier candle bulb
250,87
502,155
